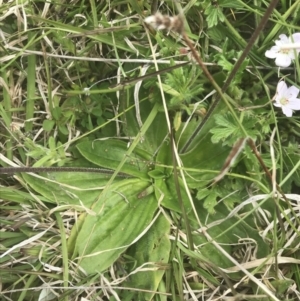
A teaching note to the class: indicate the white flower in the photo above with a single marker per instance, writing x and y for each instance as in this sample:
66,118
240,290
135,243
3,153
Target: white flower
286,98
285,50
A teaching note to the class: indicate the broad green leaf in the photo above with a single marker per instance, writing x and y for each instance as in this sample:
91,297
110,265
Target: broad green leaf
7,277
164,161
206,161
281,285
120,218
10,240
63,129
156,174
155,134
73,236
56,113
68,188
203,158
149,190
201,135
185,131
16,195
166,188
48,125
292,159
154,248
109,154
52,144
227,235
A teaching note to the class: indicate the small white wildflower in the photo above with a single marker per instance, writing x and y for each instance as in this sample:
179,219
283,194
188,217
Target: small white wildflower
284,55
286,98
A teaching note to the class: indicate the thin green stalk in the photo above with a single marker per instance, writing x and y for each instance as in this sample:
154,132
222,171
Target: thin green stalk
49,85
30,84
178,192
178,272
7,118
94,13
28,284
64,249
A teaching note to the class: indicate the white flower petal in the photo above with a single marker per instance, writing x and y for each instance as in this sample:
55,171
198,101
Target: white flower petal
279,43
292,53
295,37
283,38
283,60
295,40
271,54
294,104
277,104
287,111
286,50
281,89
285,98
291,92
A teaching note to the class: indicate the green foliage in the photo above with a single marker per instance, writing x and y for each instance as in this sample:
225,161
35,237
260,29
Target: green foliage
68,188
228,131
119,218
214,15
151,224
152,251
226,59
183,87
109,153
46,156
214,10
186,83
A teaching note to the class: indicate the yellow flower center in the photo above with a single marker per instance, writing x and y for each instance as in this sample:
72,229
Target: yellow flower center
284,101
285,51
